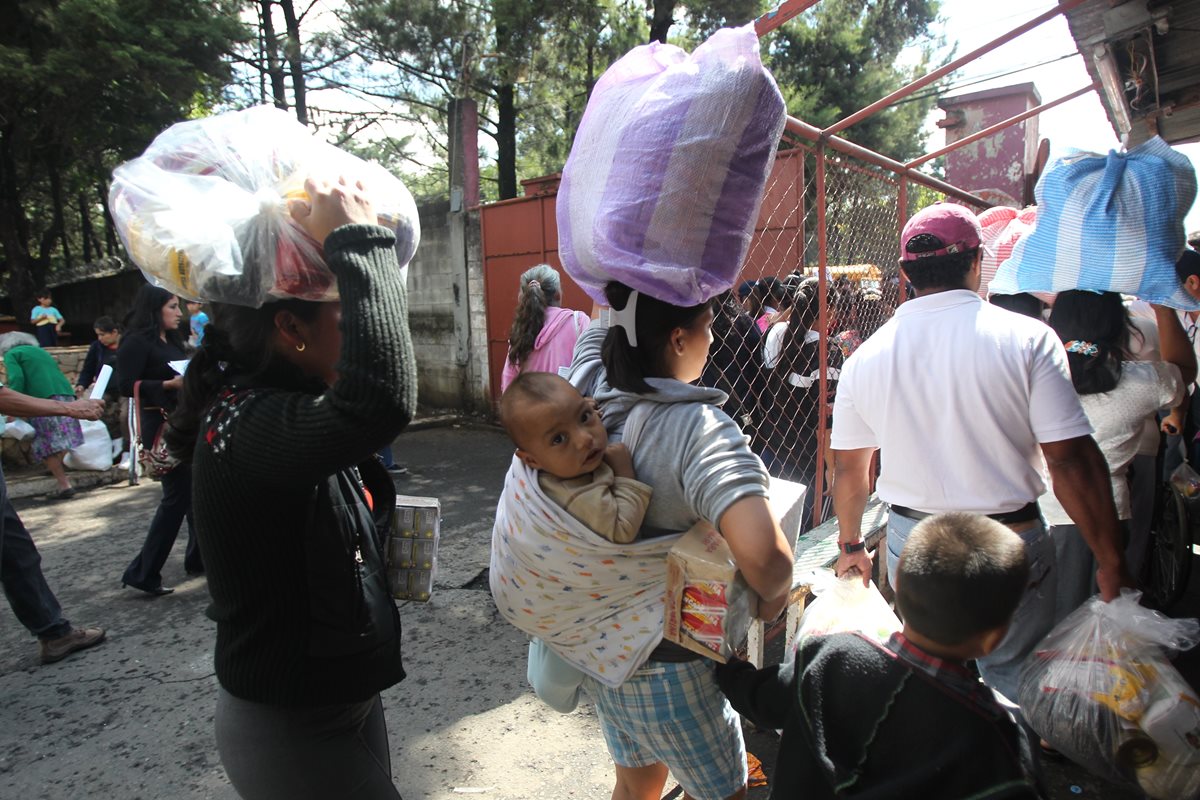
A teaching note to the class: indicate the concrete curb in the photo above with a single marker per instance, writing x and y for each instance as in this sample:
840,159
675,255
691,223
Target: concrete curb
44,485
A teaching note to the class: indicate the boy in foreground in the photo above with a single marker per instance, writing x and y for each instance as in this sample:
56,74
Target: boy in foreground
906,718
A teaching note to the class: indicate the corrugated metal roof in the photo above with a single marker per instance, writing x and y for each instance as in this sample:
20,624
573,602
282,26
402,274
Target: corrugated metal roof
1146,56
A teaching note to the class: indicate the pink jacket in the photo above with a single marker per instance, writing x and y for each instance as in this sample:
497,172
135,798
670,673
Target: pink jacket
553,347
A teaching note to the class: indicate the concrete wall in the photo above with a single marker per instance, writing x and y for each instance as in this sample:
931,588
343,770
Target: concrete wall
995,166
446,311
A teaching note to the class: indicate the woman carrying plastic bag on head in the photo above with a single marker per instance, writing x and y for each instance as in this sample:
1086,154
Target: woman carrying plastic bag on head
656,210
305,371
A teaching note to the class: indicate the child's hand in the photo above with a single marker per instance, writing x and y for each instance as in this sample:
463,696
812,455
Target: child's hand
330,206
619,460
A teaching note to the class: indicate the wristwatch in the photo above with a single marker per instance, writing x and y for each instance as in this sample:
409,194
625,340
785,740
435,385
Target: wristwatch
850,549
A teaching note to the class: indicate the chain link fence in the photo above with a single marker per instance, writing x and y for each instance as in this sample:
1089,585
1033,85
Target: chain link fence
781,337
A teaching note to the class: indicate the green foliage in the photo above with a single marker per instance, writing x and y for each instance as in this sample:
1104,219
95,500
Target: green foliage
840,57
829,62
85,84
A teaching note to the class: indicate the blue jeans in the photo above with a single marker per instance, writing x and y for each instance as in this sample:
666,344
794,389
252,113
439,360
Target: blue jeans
32,602
1033,618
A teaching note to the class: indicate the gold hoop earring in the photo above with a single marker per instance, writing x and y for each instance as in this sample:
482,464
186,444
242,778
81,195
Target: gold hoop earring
300,347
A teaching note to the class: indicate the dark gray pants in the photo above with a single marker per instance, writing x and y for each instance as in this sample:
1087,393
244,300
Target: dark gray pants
275,753
145,571
34,604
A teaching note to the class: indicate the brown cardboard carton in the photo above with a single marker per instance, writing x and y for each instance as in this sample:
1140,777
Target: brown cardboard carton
412,547
709,604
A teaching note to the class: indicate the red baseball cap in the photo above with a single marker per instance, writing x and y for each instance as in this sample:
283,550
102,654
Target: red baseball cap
954,226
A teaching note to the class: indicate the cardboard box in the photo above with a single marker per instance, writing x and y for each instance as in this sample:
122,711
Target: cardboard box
412,547
709,604
787,500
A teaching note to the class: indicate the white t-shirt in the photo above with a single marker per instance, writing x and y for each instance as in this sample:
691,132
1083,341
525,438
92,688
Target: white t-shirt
773,349
1144,387
958,394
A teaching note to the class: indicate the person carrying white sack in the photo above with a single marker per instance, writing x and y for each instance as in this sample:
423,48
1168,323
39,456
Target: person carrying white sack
655,213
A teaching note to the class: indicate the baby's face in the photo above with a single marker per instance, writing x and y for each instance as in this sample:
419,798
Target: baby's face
564,435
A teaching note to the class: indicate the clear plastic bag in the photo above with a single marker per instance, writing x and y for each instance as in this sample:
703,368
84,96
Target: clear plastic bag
1100,689
844,605
666,174
203,212
1187,481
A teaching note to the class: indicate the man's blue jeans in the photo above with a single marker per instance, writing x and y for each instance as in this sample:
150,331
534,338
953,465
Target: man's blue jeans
34,604
1033,618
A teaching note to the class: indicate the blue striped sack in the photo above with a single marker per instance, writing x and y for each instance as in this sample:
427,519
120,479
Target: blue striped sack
1107,223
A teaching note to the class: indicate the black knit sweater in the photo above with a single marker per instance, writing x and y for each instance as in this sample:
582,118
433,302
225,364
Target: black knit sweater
276,491
859,722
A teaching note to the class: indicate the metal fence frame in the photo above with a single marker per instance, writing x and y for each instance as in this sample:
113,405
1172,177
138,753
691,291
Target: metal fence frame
831,139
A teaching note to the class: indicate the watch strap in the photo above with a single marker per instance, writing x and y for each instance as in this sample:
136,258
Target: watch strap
853,547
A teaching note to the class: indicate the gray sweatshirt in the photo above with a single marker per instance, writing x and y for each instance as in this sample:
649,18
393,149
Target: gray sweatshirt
696,458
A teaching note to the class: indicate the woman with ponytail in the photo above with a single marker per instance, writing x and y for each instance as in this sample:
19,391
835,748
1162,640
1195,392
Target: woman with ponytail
670,713
1117,394
543,333
792,360
282,410
144,357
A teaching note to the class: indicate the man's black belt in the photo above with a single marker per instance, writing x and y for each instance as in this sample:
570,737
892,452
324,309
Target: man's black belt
1026,513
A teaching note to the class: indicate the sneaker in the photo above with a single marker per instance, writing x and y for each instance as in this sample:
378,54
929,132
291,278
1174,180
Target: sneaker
78,639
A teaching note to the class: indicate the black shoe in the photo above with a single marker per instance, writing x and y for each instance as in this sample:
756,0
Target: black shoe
157,591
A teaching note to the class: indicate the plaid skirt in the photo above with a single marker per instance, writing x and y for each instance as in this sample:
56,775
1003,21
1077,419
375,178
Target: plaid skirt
55,434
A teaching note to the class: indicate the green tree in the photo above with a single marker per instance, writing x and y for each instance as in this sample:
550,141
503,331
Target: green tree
85,84
840,56
529,64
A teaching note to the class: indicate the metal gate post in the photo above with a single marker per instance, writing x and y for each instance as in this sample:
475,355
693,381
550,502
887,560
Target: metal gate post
823,341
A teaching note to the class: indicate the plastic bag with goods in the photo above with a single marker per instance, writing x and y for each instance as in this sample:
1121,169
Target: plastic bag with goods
1100,689
1003,227
1109,224
666,174
96,452
1187,481
844,605
204,211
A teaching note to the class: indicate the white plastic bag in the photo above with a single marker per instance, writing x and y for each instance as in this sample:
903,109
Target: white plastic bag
96,451
844,605
1100,689
203,212
19,429
666,174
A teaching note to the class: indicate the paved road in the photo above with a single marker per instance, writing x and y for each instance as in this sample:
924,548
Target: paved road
133,718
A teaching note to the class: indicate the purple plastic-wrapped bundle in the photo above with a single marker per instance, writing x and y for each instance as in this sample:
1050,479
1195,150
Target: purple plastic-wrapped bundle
663,185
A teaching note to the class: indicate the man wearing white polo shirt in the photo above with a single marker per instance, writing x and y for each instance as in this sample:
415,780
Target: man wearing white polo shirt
963,399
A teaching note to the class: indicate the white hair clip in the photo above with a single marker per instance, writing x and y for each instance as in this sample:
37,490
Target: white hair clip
626,318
